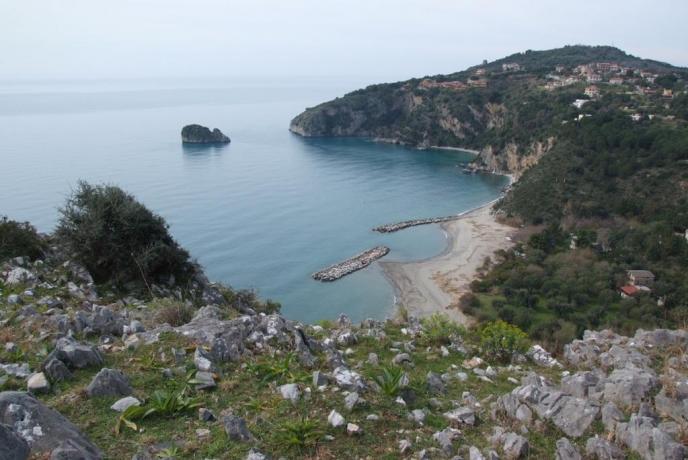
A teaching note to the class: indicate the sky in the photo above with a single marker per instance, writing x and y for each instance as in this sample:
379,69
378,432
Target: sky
390,40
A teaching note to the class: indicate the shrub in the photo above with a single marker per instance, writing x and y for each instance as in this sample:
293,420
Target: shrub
391,380
172,312
438,329
500,340
118,239
19,239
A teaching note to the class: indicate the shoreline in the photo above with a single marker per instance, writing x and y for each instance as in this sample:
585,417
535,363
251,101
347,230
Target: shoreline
436,284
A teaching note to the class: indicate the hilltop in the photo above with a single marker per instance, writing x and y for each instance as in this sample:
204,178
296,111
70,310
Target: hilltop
511,109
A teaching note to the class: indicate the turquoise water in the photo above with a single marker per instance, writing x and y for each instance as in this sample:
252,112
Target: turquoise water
263,212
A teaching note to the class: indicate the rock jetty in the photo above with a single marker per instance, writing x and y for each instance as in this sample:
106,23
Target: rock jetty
390,228
357,262
197,134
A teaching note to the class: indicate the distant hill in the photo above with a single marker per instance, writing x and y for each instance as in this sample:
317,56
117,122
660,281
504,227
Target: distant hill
503,107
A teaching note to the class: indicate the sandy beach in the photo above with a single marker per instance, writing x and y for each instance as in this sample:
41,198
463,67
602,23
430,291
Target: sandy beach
436,284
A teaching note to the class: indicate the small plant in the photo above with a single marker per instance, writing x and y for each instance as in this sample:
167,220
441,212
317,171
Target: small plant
170,452
19,239
391,380
500,340
163,404
438,329
300,435
172,312
281,371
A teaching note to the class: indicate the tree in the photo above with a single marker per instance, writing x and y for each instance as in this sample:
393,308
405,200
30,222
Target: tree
119,240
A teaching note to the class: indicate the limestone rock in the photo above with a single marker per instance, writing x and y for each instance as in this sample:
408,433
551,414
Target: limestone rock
14,447
125,403
74,354
566,450
335,419
56,370
109,382
601,449
43,428
38,383
236,428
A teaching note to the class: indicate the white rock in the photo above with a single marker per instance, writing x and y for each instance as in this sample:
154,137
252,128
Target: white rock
125,403
335,419
290,392
352,429
38,383
404,446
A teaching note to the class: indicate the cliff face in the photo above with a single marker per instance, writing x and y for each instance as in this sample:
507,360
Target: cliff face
512,159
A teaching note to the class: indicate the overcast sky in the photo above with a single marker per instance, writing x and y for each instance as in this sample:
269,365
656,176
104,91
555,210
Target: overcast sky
390,39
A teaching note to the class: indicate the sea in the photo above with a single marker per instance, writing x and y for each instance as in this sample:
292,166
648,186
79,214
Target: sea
263,212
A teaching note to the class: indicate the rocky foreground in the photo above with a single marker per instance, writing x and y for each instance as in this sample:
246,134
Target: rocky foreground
218,379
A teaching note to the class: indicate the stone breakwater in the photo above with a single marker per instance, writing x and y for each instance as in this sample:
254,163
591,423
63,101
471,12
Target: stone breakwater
357,262
390,228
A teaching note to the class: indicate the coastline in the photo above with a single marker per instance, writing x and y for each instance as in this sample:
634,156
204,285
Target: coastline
436,284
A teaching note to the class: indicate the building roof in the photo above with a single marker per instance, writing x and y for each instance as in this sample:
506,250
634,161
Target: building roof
640,273
629,290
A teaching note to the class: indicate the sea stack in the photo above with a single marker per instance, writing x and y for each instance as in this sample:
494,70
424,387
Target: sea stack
197,134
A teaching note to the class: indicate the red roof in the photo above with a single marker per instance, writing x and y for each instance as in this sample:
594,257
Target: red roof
629,290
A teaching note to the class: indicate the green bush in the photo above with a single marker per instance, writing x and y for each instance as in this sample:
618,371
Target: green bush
500,340
19,239
438,329
118,239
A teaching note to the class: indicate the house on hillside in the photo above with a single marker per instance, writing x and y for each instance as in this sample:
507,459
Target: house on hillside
479,83
592,91
594,77
511,67
640,277
667,93
616,81
628,291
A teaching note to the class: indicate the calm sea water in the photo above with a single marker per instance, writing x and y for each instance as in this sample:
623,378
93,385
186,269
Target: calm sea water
263,212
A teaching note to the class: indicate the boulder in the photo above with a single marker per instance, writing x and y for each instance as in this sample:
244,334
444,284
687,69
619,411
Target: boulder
197,134
74,354
629,386
642,435
575,415
515,446
611,415
601,449
56,370
566,450
109,382
43,428
446,438
14,447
